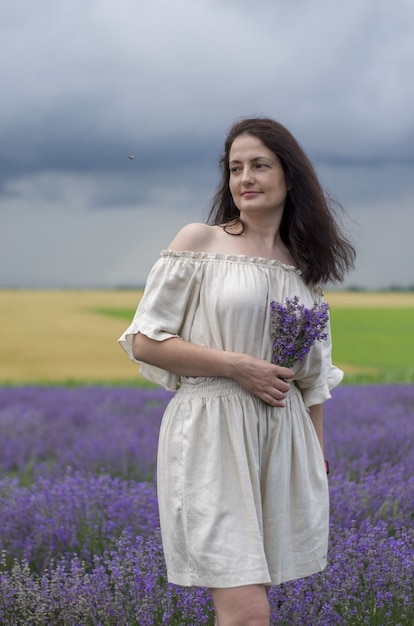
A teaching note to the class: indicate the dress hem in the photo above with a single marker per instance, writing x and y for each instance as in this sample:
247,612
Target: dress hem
191,580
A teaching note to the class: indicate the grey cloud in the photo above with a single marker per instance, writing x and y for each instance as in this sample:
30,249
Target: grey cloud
86,84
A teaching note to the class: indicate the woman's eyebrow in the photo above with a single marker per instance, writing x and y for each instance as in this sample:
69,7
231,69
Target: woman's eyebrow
256,158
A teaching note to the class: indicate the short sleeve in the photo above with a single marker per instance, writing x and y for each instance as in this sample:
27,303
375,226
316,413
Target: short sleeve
316,375
167,307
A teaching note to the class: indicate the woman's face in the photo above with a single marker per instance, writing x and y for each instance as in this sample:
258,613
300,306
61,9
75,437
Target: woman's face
257,179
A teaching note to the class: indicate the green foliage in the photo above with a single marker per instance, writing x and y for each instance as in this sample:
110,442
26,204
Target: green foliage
140,383
121,314
377,343
389,377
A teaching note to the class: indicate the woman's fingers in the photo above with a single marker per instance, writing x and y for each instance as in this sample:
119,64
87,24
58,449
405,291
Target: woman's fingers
284,372
265,380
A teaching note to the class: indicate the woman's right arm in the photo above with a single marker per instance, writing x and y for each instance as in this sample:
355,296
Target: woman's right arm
183,358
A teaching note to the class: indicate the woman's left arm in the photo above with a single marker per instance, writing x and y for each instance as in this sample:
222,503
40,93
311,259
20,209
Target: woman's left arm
316,415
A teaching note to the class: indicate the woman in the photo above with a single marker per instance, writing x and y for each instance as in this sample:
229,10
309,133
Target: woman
242,486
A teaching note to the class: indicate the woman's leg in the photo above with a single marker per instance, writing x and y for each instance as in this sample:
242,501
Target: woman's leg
241,606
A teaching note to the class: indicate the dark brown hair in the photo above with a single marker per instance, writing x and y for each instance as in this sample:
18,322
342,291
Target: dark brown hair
309,227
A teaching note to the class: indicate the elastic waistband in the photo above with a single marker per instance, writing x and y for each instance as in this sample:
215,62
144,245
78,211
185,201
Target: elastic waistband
204,386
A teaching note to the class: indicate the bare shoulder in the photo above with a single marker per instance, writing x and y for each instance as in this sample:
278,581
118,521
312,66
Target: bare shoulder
196,237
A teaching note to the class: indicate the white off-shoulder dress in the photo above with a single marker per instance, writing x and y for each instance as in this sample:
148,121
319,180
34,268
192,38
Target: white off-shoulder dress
243,493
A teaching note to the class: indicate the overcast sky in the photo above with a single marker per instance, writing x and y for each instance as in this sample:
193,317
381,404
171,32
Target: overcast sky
86,83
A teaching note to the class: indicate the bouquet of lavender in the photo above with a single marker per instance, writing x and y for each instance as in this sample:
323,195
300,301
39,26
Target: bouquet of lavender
295,329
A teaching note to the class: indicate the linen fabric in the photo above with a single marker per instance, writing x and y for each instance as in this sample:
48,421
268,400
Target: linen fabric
242,488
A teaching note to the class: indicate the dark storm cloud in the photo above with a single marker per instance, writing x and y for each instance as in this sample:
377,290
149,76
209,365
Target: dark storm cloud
84,85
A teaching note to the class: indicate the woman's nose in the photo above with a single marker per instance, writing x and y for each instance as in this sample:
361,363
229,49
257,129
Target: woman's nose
246,176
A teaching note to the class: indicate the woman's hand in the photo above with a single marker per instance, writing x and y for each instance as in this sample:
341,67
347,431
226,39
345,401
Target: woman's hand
263,379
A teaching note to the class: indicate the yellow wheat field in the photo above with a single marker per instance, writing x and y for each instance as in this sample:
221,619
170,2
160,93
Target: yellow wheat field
370,299
56,336
51,336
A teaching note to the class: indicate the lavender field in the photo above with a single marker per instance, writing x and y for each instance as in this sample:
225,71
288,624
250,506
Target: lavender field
79,521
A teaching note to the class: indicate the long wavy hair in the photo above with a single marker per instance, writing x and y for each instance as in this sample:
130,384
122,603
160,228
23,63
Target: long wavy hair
309,226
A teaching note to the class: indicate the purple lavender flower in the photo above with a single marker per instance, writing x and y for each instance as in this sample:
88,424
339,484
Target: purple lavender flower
295,329
69,550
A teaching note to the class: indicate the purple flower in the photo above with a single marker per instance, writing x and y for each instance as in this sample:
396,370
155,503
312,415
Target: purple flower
295,329
82,545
